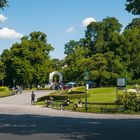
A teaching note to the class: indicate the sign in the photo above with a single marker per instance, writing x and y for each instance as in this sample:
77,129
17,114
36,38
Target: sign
87,86
121,82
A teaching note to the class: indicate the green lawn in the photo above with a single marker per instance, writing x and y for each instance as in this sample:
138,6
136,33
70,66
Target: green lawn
100,95
105,94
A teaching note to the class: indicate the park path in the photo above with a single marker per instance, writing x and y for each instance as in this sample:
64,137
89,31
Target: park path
23,99
21,104
19,120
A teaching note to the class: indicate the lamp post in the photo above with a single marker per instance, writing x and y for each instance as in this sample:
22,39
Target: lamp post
86,77
14,82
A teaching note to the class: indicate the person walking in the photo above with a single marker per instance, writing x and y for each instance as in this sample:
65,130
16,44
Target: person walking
32,98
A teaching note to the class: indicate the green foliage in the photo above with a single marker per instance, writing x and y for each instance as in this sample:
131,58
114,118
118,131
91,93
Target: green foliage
134,24
55,97
28,62
105,53
133,6
3,3
132,102
4,88
63,97
2,73
4,91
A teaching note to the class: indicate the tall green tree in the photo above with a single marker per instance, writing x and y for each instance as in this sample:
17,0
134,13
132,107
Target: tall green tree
2,73
100,35
75,57
28,62
131,49
3,3
133,6
134,24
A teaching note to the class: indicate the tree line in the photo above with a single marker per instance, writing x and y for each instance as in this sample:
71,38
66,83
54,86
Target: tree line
106,52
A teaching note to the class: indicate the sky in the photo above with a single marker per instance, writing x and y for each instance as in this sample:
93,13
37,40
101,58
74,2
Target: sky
60,20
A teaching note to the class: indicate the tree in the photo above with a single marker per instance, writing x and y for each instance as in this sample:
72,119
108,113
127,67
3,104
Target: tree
2,74
130,51
28,62
76,54
134,24
100,35
133,6
3,3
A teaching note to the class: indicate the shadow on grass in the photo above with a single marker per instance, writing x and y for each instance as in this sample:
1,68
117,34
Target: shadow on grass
70,128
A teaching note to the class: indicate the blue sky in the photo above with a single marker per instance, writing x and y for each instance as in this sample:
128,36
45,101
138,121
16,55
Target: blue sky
61,20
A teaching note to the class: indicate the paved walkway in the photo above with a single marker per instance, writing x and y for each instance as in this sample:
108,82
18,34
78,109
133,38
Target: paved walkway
21,104
19,120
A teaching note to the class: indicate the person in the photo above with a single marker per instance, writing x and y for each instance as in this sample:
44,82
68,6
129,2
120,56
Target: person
50,101
32,98
66,103
79,103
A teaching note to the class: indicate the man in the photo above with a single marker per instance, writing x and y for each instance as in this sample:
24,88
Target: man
32,98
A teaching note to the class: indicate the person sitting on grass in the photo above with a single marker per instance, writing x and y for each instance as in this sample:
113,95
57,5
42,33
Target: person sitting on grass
79,104
66,103
50,101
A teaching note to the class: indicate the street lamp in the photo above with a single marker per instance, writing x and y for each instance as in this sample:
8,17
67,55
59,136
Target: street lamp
86,77
14,82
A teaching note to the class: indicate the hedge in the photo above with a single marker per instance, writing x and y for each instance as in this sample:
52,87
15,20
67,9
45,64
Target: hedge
4,88
63,97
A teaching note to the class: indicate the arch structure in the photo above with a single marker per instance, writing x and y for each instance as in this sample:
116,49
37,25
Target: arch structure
55,73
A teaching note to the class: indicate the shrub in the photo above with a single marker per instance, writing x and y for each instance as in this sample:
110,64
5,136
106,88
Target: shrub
55,97
4,88
62,97
4,91
131,102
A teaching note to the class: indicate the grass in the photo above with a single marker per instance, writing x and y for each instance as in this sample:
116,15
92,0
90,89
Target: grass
101,95
105,94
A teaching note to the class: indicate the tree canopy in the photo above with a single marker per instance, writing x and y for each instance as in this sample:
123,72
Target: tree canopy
28,62
105,52
133,6
3,3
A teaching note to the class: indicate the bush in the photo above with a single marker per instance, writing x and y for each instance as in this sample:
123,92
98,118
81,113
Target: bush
131,102
4,91
62,97
4,88
55,97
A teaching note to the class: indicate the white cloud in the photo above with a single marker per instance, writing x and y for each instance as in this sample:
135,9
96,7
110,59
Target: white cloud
9,33
70,30
3,18
87,21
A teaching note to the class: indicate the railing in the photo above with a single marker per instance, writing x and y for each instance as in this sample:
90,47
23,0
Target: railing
92,106
104,106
